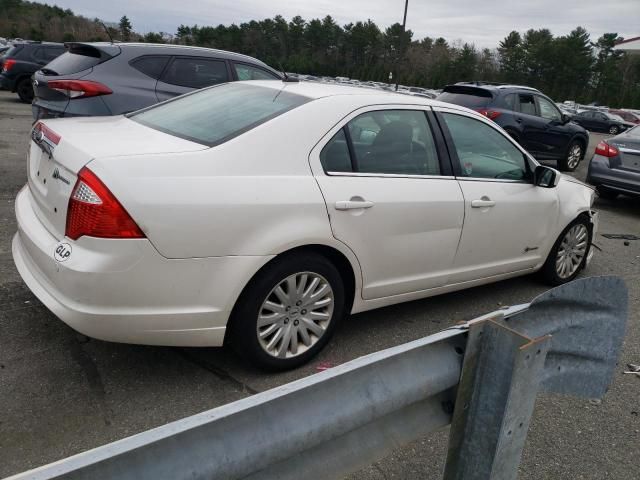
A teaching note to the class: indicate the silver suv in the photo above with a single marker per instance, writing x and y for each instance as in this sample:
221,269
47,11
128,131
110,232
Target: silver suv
92,79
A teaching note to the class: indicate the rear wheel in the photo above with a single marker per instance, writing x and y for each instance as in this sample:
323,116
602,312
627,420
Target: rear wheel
613,130
572,159
569,254
25,90
288,312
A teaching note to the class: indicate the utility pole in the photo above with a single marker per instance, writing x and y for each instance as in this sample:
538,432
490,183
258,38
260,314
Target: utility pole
404,29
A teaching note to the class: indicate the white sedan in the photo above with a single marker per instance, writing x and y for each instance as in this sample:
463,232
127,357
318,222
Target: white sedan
262,213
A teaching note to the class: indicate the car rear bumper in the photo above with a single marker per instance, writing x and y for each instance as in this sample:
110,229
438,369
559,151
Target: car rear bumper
124,290
601,174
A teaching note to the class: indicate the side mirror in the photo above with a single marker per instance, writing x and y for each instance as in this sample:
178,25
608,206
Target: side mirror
546,177
566,118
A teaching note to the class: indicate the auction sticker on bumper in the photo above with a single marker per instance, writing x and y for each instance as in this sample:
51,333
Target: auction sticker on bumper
62,252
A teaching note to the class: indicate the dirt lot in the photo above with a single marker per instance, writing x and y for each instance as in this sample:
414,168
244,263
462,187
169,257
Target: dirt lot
61,393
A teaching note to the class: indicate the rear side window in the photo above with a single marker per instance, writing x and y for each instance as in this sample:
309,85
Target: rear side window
469,97
195,72
13,51
511,100
216,115
527,105
397,142
76,60
249,72
47,54
150,65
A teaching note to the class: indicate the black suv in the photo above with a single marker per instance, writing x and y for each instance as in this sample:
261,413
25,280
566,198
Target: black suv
93,79
530,117
21,61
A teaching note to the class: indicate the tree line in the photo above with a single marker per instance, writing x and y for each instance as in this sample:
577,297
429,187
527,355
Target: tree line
567,67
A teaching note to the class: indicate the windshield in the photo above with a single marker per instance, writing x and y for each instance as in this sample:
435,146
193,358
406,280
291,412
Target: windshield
217,114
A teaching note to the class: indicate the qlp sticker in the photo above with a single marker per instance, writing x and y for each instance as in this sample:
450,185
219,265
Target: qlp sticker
62,252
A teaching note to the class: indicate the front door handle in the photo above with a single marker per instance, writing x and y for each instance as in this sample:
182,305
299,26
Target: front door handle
484,202
353,204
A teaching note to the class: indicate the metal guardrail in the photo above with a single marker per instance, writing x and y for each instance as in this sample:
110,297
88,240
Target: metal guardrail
480,376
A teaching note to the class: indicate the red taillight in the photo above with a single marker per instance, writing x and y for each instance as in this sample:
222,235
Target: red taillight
8,64
95,212
606,150
49,134
79,88
490,114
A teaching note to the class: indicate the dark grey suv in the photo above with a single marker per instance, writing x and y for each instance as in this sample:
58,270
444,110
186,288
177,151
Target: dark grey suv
92,79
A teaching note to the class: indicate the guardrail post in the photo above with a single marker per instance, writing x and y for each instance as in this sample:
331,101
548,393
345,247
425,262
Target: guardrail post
501,373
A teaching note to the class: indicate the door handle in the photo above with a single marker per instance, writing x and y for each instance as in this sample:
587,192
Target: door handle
519,120
353,204
484,202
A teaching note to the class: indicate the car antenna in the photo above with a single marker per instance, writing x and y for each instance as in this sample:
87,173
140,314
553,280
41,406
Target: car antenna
107,30
287,78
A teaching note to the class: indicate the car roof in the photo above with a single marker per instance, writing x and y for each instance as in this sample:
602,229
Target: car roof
494,86
176,48
369,96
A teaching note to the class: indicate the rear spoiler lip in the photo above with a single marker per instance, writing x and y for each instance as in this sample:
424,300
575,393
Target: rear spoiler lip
107,50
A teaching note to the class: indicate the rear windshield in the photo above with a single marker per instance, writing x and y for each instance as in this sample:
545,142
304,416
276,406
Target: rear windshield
217,114
466,96
12,52
74,61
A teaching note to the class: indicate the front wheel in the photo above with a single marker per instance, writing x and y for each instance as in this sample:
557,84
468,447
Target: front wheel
569,254
25,90
571,161
613,130
288,312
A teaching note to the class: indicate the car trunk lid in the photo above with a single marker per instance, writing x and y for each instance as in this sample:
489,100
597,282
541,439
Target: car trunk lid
628,144
60,148
77,62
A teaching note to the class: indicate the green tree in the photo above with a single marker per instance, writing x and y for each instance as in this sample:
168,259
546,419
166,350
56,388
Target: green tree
125,28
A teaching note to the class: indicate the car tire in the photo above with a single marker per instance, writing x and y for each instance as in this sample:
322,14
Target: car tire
24,89
568,256
613,130
572,158
268,312
606,193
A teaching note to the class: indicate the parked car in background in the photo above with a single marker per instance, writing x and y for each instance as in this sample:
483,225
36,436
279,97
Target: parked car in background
530,117
263,198
3,49
97,79
627,116
602,122
615,166
21,61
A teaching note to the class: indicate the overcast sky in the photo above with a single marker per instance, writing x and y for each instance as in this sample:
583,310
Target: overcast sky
483,22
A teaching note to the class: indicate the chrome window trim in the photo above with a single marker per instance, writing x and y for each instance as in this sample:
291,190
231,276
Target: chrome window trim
389,175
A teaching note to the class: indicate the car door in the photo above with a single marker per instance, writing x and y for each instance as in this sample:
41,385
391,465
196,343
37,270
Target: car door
507,218
585,119
554,138
601,122
531,124
185,74
391,198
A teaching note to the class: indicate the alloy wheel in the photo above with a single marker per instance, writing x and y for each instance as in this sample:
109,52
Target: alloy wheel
575,154
572,251
295,315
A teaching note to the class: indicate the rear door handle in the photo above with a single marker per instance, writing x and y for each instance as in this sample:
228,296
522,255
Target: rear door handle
484,202
353,204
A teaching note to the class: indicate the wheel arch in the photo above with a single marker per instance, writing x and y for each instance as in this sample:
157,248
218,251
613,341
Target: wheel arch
345,262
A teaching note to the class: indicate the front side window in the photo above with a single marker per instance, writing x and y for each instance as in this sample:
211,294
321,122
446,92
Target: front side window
216,115
195,72
248,72
548,110
483,152
527,105
394,142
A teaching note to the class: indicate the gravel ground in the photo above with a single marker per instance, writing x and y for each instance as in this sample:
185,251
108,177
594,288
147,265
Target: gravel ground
61,393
